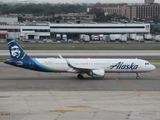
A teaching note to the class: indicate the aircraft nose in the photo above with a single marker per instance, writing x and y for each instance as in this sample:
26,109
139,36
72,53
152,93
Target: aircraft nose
153,67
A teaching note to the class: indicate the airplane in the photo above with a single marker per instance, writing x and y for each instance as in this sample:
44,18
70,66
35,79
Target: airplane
92,67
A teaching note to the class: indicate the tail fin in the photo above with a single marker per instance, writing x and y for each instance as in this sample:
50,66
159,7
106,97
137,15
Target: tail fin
16,52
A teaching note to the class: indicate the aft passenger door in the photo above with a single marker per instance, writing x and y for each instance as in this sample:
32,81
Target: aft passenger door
108,65
31,64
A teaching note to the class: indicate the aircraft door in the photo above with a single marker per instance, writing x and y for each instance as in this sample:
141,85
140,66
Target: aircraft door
108,65
31,64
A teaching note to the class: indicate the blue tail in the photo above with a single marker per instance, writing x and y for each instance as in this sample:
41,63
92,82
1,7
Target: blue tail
16,52
18,56
20,59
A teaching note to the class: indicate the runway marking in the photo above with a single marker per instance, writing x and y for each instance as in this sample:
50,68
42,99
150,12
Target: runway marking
4,114
125,84
151,73
61,111
139,115
84,107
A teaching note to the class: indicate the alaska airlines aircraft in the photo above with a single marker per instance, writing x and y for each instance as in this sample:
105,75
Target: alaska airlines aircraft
91,67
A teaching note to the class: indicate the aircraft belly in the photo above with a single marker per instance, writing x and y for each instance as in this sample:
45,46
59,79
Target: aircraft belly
58,68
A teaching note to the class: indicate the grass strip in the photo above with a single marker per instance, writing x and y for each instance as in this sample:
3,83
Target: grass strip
86,46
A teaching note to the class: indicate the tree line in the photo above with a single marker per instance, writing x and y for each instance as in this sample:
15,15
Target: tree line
42,9
101,17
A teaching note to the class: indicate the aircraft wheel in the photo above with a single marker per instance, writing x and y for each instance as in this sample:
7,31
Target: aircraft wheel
137,77
80,76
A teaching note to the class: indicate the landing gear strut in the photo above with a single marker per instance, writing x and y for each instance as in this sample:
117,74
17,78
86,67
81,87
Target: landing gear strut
80,76
137,77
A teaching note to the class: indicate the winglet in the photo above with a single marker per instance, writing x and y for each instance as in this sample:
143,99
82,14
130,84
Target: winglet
60,56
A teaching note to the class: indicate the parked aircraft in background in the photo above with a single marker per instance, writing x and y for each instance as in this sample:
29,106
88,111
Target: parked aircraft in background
92,67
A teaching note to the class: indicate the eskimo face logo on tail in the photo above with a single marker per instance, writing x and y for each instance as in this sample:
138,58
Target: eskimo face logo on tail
15,52
122,66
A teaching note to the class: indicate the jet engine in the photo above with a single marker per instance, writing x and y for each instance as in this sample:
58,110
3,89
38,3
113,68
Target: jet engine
97,73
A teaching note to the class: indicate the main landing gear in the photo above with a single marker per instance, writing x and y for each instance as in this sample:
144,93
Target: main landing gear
137,77
80,76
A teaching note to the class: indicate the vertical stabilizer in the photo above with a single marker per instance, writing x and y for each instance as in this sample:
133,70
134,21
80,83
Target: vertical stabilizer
16,52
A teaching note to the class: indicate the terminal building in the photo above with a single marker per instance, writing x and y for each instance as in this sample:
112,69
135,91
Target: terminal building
35,32
27,32
71,31
65,31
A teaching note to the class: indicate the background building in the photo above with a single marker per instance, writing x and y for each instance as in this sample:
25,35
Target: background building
72,17
149,10
149,1
8,20
143,11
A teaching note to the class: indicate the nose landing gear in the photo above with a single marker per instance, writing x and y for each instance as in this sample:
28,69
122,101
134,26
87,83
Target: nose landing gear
137,77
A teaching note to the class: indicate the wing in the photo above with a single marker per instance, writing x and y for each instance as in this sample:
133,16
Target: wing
91,71
81,69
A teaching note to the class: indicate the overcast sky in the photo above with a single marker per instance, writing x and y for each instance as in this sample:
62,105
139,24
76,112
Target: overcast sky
84,1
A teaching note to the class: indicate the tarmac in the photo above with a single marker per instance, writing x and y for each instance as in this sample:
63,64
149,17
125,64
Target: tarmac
143,54
31,95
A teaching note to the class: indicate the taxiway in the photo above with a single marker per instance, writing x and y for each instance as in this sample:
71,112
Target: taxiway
144,54
31,95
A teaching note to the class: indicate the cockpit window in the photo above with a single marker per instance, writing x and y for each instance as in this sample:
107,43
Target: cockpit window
146,63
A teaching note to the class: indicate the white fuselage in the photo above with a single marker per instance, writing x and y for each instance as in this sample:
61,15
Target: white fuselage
91,67
108,65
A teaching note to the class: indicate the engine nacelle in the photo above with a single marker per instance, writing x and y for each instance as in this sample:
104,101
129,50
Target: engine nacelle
97,73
